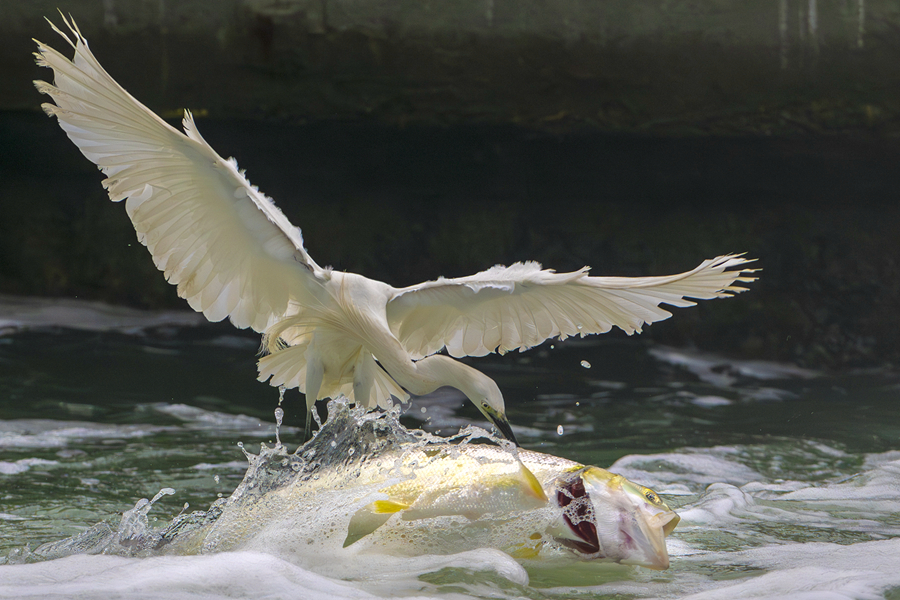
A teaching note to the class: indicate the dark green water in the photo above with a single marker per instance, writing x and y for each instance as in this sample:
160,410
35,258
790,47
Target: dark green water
774,469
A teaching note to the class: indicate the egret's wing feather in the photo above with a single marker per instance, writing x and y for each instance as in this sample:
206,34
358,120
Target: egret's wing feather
517,307
228,248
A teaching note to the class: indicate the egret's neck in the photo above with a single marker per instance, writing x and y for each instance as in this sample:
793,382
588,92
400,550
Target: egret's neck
438,370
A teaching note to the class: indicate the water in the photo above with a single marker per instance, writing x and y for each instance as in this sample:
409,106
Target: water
787,480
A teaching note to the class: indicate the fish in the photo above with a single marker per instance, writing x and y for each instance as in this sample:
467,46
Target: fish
365,484
525,503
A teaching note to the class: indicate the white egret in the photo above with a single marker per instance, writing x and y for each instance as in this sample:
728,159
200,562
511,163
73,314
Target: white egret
232,253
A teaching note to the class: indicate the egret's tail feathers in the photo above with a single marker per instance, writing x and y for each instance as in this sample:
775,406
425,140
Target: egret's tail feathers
382,388
287,367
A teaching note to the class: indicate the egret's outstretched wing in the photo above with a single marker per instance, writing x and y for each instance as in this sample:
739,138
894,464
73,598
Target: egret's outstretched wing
517,307
226,246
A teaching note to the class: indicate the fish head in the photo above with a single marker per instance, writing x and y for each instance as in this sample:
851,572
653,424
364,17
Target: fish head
613,518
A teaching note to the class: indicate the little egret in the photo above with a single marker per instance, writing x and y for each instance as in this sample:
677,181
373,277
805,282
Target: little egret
232,253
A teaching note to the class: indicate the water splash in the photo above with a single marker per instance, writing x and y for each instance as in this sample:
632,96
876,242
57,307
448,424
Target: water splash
274,485
279,417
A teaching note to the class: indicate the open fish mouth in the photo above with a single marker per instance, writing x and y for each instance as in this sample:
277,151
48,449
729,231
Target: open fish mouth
577,515
633,532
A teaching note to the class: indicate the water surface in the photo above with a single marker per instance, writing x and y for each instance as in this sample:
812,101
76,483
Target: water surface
787,480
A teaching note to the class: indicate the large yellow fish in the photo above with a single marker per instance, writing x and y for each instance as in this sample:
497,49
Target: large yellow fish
366,484
524,503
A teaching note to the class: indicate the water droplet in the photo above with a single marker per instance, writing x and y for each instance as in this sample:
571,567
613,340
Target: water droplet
552,346
279,416
280,394
579,327
246,454
423,409
161,493
585,364
216,479
333,443
578,404
350,451
559,430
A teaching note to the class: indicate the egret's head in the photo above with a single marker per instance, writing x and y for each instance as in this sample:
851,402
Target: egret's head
608,516
487,397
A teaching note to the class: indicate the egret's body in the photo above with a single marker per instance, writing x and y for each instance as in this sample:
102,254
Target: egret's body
232,253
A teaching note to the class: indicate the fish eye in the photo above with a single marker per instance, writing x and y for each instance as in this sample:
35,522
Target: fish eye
651,497
485,404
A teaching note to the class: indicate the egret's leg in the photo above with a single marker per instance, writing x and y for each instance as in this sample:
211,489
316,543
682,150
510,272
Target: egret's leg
315,372
363,379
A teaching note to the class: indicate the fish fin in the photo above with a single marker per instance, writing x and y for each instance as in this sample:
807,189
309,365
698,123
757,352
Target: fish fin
530,484
365,521
389,507
526,552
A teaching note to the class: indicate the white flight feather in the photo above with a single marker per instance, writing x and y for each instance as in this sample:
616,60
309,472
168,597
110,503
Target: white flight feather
521,306
228,248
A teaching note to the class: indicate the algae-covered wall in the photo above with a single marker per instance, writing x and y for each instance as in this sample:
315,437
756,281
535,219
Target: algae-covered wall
713,66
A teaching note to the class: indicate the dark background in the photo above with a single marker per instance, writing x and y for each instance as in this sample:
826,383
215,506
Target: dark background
412,140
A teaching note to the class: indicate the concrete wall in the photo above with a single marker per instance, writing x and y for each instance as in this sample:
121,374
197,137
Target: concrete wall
779,65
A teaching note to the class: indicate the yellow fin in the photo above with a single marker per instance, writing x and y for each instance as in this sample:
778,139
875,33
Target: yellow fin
382,507
531,484
526,552
364,522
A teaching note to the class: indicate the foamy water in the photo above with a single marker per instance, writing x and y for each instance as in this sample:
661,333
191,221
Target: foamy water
787,481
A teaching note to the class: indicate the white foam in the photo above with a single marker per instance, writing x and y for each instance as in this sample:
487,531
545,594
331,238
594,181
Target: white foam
234,465
711,401
227,575
877,489
195,418
22,465
724,372
49,433
719,504
19,313
691,466
813,571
